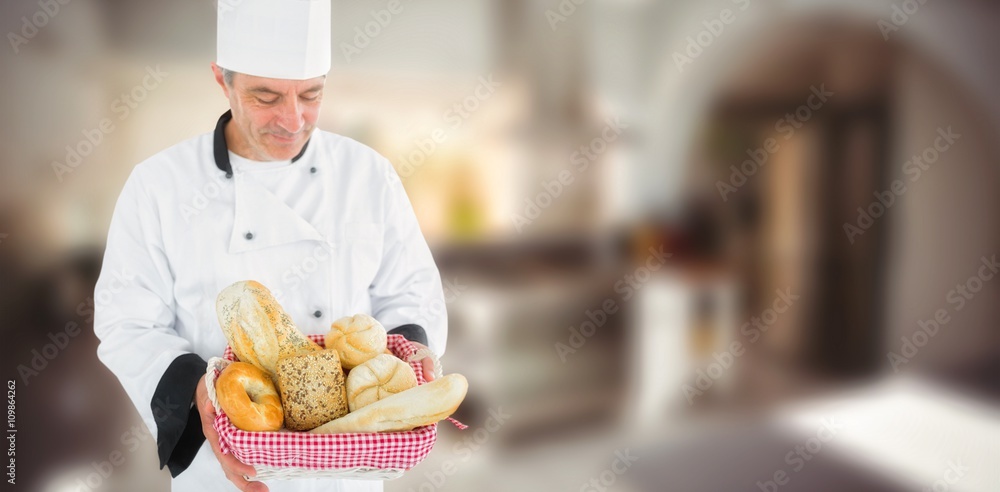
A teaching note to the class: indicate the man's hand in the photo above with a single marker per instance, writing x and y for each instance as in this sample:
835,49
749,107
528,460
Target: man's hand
232,467
427,363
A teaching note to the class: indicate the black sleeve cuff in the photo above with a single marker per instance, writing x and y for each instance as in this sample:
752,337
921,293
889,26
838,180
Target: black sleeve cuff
413,333
178,423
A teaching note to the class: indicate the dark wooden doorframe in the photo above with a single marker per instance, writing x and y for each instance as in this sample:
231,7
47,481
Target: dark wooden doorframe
848,330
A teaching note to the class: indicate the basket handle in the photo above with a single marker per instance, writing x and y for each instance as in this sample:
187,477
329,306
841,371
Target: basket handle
426,352
214,364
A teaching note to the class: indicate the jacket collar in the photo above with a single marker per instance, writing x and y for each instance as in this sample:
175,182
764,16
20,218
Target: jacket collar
261,219
221,148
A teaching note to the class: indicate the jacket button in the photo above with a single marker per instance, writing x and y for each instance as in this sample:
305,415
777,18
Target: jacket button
312,169
318,314
249,236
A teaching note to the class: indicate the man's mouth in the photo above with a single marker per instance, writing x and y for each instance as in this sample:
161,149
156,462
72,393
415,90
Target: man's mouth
283,138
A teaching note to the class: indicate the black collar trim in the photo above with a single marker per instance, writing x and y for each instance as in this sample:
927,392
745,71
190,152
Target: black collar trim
221,150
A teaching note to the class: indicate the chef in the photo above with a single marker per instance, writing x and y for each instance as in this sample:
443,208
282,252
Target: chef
320,219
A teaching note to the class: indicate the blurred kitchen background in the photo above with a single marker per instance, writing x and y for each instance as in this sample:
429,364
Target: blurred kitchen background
599,313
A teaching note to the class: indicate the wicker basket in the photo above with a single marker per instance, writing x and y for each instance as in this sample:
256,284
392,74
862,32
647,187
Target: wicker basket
286,454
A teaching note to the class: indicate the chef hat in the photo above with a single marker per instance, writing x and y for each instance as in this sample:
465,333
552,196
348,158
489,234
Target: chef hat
280,39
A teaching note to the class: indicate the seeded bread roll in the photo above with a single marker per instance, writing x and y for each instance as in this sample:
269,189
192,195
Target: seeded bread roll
257,328
313,390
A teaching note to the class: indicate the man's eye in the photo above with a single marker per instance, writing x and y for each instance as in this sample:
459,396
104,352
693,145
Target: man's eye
311,98
267,101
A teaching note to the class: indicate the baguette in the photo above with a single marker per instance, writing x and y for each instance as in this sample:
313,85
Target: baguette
415,407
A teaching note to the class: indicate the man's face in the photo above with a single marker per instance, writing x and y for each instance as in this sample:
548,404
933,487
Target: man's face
272,118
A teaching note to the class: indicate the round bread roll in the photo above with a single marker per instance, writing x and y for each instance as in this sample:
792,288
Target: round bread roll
356,339
378,378
247,395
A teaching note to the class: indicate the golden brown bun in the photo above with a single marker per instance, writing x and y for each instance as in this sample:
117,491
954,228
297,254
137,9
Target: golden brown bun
248,397
258,329
312,389
378,378
422,405
356,339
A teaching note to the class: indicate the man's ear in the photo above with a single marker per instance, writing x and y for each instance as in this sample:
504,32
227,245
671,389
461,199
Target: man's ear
220,79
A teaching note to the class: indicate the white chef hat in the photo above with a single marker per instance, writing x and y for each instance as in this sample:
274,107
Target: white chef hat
280,39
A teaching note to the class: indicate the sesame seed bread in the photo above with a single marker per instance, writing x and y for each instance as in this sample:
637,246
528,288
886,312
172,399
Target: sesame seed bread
313,390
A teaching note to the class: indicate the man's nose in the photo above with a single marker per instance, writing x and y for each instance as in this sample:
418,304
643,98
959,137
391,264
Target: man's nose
290,116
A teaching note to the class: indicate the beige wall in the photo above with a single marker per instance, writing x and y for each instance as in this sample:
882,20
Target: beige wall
946,220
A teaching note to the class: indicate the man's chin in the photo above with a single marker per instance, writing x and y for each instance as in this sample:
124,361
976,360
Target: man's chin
279,151
283,154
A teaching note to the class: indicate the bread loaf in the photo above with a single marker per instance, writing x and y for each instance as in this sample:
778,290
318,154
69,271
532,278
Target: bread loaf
415,407
247,395
378,378
312,388
356,339
257,328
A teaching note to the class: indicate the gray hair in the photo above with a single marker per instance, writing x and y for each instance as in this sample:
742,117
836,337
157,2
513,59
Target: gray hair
227,76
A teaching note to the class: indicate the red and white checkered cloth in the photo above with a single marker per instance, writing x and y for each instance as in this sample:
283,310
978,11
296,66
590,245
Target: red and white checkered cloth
382,450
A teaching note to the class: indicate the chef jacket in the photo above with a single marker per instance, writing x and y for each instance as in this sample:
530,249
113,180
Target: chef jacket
330,232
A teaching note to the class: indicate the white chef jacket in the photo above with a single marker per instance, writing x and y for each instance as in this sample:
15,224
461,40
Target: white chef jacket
331,233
